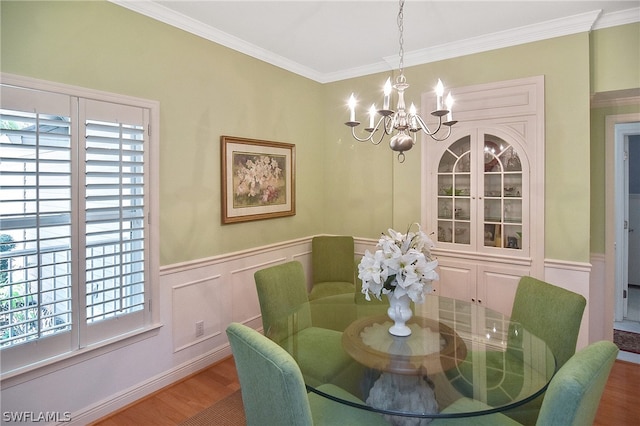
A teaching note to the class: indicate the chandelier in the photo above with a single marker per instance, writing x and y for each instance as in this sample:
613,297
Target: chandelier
401,121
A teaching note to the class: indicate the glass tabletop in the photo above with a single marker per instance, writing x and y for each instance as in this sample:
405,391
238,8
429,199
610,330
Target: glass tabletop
456,350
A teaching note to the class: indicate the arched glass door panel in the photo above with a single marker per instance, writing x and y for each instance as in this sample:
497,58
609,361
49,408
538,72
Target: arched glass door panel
502,194
454,190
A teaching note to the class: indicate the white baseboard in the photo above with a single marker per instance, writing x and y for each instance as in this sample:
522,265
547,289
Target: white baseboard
167,378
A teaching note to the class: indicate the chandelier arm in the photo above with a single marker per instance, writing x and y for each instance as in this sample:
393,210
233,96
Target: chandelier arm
353,133
443,138
379,124
425,129
390,123
377,142
373,131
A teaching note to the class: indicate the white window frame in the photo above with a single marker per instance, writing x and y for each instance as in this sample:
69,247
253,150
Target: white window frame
83,348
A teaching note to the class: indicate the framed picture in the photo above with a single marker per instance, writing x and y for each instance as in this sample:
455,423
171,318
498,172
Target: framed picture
490,234
258,179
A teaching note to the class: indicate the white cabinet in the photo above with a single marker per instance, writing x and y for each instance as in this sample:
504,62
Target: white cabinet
479,184
483,192
485,283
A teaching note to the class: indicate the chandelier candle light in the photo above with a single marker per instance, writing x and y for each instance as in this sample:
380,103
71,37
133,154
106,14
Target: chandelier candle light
402,122
402,268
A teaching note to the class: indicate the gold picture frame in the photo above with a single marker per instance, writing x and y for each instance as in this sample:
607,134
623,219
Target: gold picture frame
258,179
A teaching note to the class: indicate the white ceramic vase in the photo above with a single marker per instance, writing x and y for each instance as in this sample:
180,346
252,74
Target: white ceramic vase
400,312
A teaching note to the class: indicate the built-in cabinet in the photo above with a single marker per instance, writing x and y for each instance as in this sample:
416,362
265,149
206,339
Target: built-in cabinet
486,283
483,193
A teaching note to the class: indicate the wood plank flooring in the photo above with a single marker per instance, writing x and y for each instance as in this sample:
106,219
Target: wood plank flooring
620,404
178,402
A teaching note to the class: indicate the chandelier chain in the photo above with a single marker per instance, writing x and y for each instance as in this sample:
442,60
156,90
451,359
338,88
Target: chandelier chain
401,38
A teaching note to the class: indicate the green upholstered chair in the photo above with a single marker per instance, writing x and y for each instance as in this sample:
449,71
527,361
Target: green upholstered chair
339,310
335,312
286,318
332,266
549,312
273,391
571,399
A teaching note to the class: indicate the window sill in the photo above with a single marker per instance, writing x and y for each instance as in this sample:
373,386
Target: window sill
33,371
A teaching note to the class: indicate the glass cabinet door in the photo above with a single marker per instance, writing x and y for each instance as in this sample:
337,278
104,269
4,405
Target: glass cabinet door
502,176
480,193
454,193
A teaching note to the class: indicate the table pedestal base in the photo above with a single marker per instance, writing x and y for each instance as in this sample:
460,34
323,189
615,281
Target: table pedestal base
403,393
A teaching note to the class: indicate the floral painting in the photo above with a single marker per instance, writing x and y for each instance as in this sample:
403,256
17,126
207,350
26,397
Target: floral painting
258,179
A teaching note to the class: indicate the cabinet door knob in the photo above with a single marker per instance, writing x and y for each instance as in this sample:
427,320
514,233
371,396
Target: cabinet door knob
473,300
479,301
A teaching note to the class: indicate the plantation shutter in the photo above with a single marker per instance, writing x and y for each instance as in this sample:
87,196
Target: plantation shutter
74,230
114,219
36,295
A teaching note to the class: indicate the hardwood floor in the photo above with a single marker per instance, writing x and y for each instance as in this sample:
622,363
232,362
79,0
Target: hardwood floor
178,402
620,404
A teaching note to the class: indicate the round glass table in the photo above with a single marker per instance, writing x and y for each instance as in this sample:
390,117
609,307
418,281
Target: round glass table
457,349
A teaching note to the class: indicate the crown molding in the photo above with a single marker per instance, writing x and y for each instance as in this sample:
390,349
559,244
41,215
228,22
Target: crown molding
164,14
616,98
584,22
498,40
622,17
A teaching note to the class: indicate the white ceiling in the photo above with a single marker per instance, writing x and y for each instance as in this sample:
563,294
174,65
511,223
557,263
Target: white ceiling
334,40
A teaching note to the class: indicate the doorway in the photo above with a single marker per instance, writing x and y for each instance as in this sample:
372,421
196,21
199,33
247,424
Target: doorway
627,219
632,311
625,230
618,129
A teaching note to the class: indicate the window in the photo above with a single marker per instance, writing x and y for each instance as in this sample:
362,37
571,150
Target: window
75,202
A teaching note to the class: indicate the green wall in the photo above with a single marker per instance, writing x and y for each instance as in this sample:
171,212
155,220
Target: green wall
598,176
615,64
615,58
343,186
205,90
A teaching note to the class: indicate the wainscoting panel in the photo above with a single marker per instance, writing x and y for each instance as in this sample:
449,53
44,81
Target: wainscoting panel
221,290
576,277
245,305
196,302
602,295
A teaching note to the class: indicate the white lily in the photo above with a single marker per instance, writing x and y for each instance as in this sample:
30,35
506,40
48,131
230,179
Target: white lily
406,258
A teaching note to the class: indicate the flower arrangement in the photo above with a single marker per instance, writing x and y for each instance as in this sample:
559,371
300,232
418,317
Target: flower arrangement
401,265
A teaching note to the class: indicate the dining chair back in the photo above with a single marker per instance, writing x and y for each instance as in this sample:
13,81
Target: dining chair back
283,299
551,313
273,389
547,312
574,394
332,261
287,320
571,399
